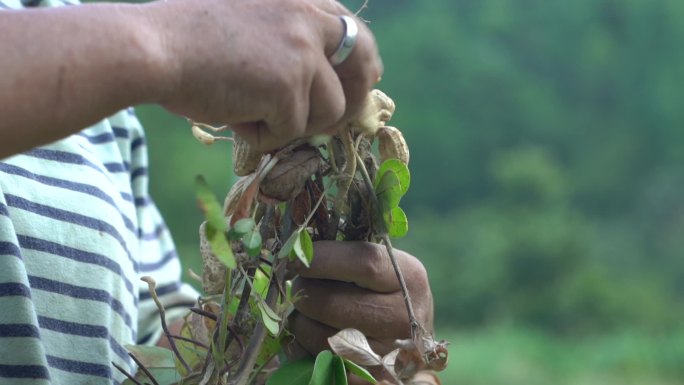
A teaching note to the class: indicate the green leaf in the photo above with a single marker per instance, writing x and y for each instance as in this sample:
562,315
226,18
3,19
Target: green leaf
269,348
269,311
209,205
164,376
293,373
220,246
323,373
193,355
397,223
152,356
289,244
240,228
359,371
339,373
244,226
388,191
269,317
400,169
303,248
252,242
261,281
216,223
272,326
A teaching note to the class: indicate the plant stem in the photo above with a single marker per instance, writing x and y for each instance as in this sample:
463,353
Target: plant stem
251,353
382,234
248,359
125,373
143,368
152,284
204,313
413,321
349,169
190,340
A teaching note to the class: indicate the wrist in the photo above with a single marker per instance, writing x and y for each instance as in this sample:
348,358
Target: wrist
158,65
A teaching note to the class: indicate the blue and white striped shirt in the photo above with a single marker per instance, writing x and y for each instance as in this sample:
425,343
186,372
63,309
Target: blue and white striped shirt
77,230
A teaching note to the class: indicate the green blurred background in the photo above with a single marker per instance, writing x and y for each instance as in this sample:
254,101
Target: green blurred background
546,151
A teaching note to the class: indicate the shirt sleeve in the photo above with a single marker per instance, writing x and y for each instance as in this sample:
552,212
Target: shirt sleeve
158,257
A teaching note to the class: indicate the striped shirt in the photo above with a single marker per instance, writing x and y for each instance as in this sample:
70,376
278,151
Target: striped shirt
77,230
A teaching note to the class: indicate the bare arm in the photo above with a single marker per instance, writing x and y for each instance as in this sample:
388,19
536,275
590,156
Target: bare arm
260,66
70,67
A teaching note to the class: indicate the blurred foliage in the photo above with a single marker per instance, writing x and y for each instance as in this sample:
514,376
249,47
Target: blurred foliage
512,356
547,154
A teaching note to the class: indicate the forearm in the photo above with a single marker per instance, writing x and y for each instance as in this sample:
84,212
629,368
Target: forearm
66,68
260,66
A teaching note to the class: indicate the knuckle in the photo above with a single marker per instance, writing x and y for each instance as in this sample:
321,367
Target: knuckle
416,273
375,261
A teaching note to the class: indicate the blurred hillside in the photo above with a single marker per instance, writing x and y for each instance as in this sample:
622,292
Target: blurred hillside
547,160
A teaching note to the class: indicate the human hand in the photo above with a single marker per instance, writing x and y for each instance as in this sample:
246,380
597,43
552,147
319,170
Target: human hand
262,66
353,285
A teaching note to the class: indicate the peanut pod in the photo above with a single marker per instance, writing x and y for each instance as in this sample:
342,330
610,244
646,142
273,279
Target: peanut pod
245,158
286,180
378,108
392,144
214,271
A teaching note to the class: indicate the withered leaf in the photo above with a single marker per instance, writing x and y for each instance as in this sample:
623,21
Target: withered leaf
434,353
389,359
352,345
288,177
301,207
244,204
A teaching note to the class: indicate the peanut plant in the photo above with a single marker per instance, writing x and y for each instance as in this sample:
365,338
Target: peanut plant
330,188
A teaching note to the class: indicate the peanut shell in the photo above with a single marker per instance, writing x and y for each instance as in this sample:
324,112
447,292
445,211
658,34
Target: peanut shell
245,158
287,178
377,109
392,144
234,195
214,271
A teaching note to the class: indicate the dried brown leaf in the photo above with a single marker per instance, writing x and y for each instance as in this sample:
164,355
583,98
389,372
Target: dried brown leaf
353,345
434,353
301,208
408,362
288,177
389,359
247,199
234,195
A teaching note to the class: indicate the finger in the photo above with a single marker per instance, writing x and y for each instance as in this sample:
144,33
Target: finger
362,68
312,336
258,135
365,264
309,334
291,115
293,349
327,99
360,71
343,305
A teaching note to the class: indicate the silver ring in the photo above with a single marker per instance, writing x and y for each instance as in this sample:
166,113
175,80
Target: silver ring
351,30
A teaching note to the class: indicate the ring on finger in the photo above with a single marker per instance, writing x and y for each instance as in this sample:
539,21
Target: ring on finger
351,31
